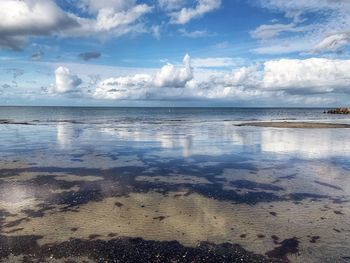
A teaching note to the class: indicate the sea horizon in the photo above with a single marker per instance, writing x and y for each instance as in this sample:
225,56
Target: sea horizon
204,107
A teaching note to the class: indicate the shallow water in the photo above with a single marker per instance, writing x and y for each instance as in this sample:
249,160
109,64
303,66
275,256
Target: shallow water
75,181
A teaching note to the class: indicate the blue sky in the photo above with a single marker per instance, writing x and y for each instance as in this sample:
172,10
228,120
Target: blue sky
175,52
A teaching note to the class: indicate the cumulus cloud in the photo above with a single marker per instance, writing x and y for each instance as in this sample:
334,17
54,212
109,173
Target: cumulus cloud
310,81
23,19
247,77
169,76
133,87
89,55
142,86
20,19
202,7
66,82
314,81
315,75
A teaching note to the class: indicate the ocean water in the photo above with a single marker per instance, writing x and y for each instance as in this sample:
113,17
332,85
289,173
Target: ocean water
76,181
100,115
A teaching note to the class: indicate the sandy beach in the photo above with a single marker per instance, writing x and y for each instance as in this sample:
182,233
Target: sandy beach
297,125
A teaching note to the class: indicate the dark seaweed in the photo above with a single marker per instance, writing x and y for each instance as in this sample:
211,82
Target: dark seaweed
125,249
287,246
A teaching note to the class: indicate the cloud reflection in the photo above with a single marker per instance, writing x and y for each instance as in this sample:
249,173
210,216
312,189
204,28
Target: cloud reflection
223,138
307,144
66,134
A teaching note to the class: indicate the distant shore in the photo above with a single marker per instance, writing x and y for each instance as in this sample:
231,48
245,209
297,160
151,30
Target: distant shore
339,111
300,125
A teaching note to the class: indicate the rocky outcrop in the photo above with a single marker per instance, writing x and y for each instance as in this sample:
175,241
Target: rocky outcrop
339,111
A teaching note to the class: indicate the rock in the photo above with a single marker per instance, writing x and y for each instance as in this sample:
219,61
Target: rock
339,111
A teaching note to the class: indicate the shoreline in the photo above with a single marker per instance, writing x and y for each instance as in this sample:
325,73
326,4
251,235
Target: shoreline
296,125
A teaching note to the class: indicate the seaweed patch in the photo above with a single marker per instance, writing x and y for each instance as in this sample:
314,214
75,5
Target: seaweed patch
127,250
287,246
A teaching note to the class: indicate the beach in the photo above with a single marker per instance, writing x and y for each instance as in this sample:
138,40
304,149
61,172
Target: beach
297,125
174,184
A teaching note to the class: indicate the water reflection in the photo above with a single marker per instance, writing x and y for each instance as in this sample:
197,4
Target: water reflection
305,143
224,138
15,197
192,181
66,134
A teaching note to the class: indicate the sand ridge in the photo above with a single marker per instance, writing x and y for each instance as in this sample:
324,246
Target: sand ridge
296,125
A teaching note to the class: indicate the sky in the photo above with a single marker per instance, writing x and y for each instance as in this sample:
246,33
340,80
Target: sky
243,53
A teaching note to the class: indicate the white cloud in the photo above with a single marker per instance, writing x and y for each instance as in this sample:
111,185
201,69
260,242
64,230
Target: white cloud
297,7
110,22
101,19
333,42
143,86
184,15
169,76
107,19
194,34
315,75
134,87
284,47
328,33
20,19
248,77
312,81
23,19
270,31
65,81
293,81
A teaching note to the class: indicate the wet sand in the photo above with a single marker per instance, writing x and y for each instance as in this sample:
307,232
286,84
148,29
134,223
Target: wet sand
296,125
261,213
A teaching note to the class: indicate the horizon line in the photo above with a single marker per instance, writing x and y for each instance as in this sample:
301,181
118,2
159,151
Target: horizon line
169,107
